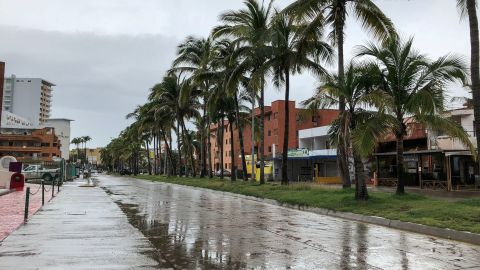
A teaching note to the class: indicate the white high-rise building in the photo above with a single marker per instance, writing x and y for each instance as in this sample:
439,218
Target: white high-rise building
29,98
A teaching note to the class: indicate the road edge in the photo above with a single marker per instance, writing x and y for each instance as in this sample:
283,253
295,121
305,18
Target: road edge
449,234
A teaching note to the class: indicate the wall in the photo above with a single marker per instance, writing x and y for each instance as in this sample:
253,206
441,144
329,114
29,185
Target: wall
62,130
26,99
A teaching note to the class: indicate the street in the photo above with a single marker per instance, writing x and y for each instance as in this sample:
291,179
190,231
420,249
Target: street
192,228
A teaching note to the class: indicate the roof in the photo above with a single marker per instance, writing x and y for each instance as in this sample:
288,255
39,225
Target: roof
446,152
59,119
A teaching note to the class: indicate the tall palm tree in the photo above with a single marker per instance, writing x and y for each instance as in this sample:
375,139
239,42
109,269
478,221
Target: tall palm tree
85,139
360,93
249,28
468,8
412,86
294,48
334,13
195,56
77,141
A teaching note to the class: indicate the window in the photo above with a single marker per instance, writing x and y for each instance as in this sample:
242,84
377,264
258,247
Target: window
226,165
275,115
226,141
275,132
268,117
269,149
269,133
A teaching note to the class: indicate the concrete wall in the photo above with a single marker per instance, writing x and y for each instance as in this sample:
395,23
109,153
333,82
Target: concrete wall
26,99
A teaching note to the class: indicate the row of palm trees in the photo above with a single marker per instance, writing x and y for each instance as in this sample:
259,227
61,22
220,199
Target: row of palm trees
81,142
212,79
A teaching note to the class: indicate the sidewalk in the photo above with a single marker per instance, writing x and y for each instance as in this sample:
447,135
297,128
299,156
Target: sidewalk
12,207
82,228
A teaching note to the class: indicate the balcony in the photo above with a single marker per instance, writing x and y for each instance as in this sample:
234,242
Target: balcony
449,143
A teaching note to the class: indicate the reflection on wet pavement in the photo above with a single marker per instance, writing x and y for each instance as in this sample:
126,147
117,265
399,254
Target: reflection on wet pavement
192,228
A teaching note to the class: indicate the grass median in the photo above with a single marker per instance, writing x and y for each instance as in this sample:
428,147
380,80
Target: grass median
461,215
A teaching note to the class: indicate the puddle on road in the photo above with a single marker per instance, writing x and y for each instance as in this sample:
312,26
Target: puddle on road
172,250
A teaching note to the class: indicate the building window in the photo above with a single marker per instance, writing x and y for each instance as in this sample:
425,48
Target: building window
226,141
269,133
269,149
275,115
275,132
268,117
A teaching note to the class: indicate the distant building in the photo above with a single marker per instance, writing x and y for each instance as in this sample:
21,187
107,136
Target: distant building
93,155
62,130
28,97
29,145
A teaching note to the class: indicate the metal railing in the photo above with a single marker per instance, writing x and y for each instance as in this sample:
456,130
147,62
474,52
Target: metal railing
44,189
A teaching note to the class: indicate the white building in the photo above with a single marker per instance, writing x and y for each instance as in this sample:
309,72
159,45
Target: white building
62,130
466,119
323,157
29,98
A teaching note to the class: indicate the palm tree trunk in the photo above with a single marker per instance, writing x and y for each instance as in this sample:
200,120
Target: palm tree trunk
190,149
179,149
361,192
209,146
202,142
342,152
474,65
262,133
149,166
240,138
401,180
169,152
220,125
287,129
233,175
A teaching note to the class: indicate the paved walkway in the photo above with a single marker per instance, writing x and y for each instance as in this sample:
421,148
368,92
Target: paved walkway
12,207
81,229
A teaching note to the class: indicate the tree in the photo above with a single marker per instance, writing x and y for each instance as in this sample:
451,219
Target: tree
334,13
359,92
249,28
77,141
412,86
294,47
195,56
468,8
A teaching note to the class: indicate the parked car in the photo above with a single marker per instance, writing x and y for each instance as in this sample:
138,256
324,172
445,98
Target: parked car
39,172
225,173
125,172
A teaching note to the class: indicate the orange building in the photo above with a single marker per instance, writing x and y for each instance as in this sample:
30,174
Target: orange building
274,132
30,144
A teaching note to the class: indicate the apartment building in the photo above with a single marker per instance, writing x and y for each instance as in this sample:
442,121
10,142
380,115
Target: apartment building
28,145
28,97
274,128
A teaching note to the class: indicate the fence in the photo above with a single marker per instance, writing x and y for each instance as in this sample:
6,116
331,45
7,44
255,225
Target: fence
42,187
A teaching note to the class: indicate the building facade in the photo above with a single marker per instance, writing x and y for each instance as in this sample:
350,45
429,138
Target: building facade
30,145
62,130
28,97
273,129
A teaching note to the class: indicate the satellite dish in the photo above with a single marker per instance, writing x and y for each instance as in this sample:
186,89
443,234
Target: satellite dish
5,162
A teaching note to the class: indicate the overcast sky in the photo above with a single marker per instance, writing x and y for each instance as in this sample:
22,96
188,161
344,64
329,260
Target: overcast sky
104,55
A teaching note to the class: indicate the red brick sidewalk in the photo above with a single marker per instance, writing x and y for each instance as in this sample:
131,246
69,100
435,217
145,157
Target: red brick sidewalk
12,207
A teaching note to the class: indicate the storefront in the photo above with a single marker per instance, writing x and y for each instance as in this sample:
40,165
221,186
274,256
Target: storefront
433,169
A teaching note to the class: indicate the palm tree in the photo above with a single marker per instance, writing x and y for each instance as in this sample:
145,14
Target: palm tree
249,27
359,92
334,13
85,139
293,48
412,86
195,56
77,142
468,8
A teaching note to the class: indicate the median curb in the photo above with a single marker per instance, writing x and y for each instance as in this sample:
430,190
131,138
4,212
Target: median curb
449,234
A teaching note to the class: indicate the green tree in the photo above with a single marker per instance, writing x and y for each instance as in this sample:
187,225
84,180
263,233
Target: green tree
334,14
249,28
412,86
293,48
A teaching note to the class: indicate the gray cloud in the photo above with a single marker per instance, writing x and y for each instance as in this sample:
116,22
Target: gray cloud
105,55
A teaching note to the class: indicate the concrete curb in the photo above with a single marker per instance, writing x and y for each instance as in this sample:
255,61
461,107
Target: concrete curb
449,234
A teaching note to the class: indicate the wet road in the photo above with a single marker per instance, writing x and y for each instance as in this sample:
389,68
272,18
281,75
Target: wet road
193,228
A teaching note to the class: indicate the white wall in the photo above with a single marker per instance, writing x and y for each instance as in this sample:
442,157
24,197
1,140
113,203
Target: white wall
62,130
26,99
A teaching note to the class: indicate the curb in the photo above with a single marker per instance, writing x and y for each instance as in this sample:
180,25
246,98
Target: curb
467,237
